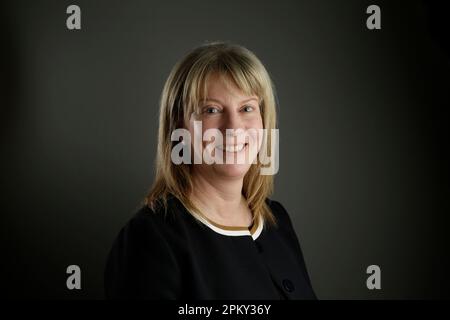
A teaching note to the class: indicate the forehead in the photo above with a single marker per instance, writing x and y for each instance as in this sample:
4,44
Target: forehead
223,87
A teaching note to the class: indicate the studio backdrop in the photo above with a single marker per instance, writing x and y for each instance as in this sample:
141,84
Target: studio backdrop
362,102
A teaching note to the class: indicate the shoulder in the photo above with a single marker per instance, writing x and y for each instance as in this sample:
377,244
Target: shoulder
141,262
284,223
280,213
159,218
276,206
150,230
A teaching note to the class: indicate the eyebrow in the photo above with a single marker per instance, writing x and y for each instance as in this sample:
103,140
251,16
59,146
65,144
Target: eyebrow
218,101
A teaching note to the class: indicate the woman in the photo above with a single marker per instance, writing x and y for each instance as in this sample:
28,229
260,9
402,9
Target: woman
208,229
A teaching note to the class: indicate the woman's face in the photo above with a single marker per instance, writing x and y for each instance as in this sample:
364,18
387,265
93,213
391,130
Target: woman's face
227,107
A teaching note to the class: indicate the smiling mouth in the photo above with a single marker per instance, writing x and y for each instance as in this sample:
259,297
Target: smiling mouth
232,148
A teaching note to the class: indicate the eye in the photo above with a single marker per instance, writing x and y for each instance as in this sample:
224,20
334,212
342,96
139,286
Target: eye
248,108
211,110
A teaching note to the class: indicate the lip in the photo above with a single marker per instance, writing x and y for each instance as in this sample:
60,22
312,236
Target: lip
232,148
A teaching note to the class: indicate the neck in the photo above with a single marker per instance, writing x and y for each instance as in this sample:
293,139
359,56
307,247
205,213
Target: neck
221,201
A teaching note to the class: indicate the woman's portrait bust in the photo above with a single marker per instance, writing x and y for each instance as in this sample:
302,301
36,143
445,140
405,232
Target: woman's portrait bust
209,228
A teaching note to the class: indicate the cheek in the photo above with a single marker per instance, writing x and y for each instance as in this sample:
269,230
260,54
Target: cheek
254,139
197,136
206,125
210,123
255,122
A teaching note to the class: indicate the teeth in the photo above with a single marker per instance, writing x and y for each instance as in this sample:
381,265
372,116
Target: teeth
232,148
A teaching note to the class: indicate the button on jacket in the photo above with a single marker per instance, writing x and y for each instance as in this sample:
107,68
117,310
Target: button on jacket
173,255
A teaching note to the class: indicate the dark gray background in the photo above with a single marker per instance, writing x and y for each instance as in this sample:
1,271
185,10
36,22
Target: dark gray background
363,121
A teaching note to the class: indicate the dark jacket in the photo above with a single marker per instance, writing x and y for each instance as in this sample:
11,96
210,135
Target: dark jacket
174,256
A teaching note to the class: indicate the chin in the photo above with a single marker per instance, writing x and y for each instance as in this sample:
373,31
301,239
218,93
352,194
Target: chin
232,170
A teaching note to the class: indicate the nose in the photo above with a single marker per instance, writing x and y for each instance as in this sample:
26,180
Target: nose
235,125
232,121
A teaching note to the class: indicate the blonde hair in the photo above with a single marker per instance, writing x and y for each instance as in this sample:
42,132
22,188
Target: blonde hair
181,95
